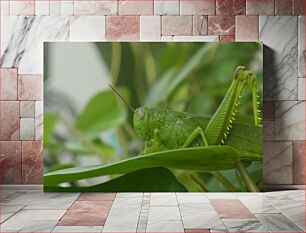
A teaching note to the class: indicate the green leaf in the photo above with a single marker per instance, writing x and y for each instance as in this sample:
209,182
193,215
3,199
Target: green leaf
174,77
146,180
50,120
103,111
210,158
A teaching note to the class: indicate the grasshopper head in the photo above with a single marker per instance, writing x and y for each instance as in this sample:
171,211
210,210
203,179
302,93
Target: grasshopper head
142,121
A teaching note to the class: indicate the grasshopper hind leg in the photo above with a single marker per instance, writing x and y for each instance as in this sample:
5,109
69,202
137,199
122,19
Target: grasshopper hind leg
197,132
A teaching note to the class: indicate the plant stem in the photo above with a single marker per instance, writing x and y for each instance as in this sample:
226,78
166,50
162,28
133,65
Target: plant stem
247,179
199,182
115,62
227,184
133,136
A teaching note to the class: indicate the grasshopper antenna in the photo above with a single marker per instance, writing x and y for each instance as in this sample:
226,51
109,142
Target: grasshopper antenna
121,97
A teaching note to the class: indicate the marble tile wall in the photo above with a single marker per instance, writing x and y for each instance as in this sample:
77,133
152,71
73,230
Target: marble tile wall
25,24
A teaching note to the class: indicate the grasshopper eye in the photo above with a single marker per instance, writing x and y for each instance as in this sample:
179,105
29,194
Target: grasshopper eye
141,113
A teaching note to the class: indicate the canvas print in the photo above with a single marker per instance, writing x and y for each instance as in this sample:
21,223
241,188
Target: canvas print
153,117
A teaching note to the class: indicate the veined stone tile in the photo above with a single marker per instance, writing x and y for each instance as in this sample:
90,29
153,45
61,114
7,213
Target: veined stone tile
198,198
176,25
301,89
22,40
231,209
22,7
165,226
200,25
166,7
238,225
139,196
66,7
87,28
32,162
30,87
247,28
278,163
279,35
95,7
269,130
283,7
5,7
298,7
9,120
90,213
190,38
122,28
221,25
10,154
135,7
150,28
165,213
257,205
203,7
39,120
8,210
42,7
299,162
35,200
211,195
163,199
301,47
8,87
75,229
97,197
39,226
27,108
291,195
290,120
269,110
20,219
230,7
260,7
27,129
277,223
55,7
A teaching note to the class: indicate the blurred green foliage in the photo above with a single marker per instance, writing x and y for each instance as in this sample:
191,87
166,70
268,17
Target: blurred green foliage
188,77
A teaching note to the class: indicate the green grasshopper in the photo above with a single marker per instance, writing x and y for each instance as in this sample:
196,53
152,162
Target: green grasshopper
165,129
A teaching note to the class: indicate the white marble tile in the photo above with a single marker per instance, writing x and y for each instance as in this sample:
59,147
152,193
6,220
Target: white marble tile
8,210
55,7
87,28
278,163
22,40
200,216
39,226
257,205
129,195
6,193
42,7
199,198
269,130
241,225
44,201
5,7
66,7
122,219
22,7
20,219
75,229
301,46
221,196
290,120
106,7
294,195
279,35
277,223
190,38
166,7
150,28
39,120
301,89
163,199
169,213
165,226
27,129
27,109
